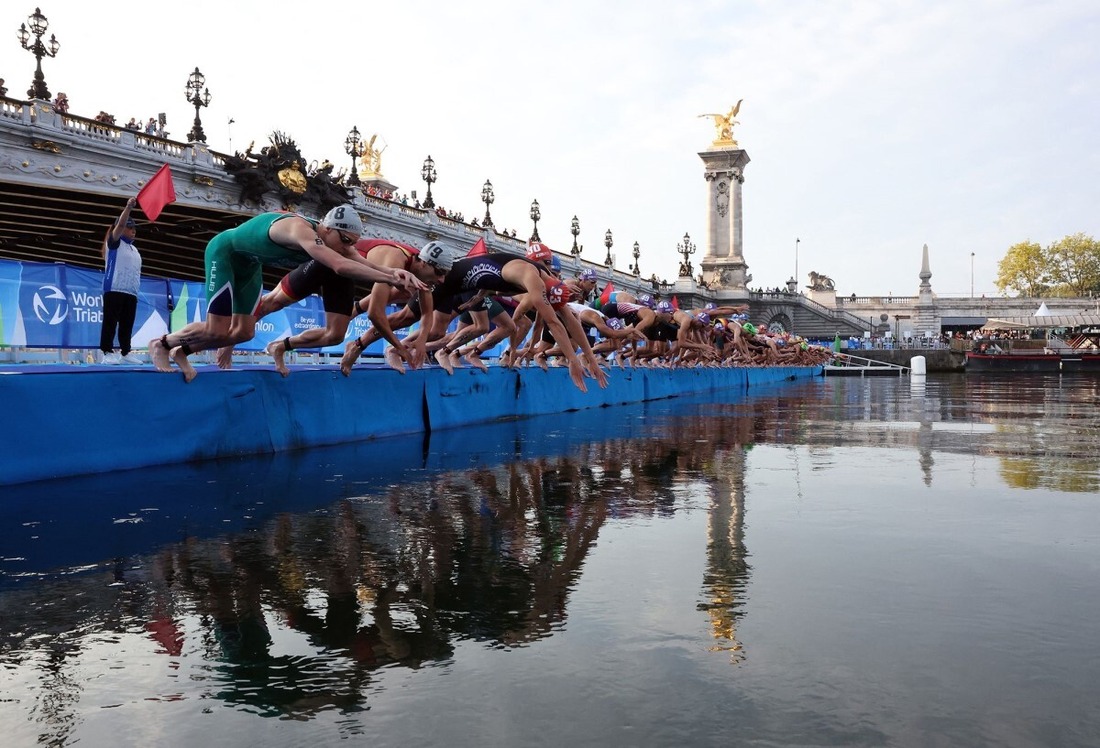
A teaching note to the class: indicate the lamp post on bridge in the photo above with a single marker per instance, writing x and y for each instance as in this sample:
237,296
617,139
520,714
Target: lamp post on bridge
575,230
796,241
351,147
608,242
687,249
637,253
427,173
535,216
196,96
488,198
39,25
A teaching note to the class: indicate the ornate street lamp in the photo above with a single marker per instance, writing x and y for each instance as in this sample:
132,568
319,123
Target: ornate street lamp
488,198
195,94
351,147
427,173
796,242
535,216
608,242
575,230
687,249
637,254
39,24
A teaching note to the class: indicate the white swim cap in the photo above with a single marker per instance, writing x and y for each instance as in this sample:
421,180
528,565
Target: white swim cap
344,218
437,255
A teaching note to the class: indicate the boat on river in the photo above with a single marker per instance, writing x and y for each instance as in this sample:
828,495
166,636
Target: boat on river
1056,343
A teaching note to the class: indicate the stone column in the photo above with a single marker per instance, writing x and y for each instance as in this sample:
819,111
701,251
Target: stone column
724,267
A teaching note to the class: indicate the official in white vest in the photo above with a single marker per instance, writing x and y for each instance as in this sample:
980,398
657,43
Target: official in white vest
121,283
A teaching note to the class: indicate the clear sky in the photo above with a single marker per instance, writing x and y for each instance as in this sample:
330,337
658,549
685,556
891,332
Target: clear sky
873,127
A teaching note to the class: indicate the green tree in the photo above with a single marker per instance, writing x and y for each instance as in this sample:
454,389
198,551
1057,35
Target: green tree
1024,269
1074,263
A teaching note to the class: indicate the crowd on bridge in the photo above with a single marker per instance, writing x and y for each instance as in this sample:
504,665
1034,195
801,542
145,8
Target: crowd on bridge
467,301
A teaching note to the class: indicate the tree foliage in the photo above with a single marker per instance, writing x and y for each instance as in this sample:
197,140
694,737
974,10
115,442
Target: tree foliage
1023,269
1067,267
1075,264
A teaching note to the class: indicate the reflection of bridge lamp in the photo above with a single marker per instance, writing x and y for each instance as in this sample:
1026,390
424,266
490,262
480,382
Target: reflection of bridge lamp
972,275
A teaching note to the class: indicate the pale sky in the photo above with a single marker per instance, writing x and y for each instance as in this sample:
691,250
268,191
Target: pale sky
873,127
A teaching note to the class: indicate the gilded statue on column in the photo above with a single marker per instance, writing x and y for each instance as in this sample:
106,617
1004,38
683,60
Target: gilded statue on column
371,158
723,124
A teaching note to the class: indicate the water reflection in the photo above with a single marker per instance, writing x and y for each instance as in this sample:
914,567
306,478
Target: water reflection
343,564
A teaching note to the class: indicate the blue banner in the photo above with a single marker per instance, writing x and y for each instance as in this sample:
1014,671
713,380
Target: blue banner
50,305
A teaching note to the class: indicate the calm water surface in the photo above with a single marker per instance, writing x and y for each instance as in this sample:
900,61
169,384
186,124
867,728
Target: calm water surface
837,562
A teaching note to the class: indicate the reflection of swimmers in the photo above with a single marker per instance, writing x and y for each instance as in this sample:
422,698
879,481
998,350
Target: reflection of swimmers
234,265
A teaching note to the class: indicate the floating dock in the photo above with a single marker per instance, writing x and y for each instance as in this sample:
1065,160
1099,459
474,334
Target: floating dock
67,420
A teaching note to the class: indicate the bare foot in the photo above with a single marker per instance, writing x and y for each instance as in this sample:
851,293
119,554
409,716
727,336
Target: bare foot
475,360
456,359
541,361
186,368
277,350
158,354
393,359
444,359
224,357
352,351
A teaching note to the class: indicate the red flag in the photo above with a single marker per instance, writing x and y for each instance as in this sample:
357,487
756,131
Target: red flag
479,248
157,193
675,303
605,297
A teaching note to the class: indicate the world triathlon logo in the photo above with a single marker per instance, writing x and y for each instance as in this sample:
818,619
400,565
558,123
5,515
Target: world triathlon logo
50,305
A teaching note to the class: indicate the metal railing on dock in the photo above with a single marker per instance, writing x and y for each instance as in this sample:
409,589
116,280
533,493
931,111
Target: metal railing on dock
845,364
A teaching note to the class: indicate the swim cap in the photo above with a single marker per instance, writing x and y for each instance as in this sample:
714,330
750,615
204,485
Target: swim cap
437,255
588,274
710,305
703,317
343,218
615,323
749,327
555,264
557,293
538,251
646,300
664,307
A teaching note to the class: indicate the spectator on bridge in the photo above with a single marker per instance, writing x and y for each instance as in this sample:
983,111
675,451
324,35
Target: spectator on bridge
61,103
3,88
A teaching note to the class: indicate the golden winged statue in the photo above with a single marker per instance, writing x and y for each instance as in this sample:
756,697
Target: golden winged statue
372,158
723,124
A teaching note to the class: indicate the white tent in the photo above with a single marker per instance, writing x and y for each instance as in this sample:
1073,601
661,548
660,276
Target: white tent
1042,311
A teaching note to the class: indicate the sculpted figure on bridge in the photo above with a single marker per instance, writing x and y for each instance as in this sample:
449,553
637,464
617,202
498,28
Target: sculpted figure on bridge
820,282
723,124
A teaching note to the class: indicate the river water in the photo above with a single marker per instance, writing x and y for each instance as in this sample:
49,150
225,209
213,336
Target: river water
834,562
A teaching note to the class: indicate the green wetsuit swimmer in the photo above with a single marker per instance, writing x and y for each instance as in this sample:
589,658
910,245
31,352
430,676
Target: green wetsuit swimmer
235,261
